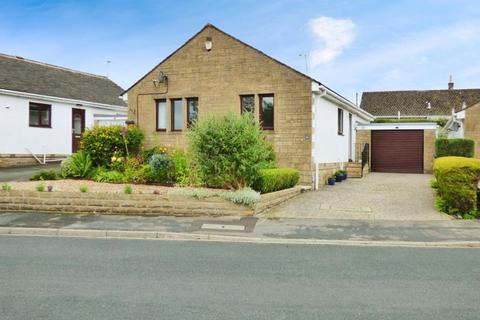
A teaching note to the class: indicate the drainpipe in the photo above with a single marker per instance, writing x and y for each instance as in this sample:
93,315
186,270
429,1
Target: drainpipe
322,92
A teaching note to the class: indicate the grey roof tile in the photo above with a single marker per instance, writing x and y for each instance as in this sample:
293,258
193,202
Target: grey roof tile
19,74
414,103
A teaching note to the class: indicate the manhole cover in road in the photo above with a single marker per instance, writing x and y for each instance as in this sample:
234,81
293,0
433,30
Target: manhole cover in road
238,225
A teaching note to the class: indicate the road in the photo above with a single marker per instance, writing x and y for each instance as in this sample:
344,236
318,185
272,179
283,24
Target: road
70,278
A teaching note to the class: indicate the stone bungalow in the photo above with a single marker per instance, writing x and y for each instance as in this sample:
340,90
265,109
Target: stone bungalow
409,147
310,126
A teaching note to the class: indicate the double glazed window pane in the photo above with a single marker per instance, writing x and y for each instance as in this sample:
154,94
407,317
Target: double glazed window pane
34,118
45,117
266,112
161,115
192,112
39,115
177,121
248,103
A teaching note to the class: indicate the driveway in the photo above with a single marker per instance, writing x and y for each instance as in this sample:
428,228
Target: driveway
378,196
25,173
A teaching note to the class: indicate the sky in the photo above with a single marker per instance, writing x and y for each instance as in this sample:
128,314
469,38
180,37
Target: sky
351,46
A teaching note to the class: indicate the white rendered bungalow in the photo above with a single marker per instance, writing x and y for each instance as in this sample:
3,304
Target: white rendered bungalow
45,108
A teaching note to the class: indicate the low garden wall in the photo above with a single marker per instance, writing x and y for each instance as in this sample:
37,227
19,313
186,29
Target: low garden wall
135,204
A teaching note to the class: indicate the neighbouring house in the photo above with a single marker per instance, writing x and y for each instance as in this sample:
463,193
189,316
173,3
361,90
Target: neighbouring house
467,121
45,108
403,138
310,126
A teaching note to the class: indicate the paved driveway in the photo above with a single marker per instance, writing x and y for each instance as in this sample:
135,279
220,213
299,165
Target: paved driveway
378,196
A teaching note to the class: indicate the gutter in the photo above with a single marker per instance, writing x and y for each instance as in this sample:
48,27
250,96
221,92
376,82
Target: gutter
348,105
63,100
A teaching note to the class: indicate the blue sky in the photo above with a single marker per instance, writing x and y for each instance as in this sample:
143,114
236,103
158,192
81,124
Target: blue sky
352,46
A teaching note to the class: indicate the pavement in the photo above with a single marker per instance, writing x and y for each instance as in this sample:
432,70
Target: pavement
378,196
457,233
66,278
25,173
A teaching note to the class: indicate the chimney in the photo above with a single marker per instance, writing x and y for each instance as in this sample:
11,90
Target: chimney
450,83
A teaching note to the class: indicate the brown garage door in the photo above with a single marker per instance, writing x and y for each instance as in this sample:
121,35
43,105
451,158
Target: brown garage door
397,151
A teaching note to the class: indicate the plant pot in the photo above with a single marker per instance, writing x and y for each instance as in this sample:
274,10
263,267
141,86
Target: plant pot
345,176
339,178
331,181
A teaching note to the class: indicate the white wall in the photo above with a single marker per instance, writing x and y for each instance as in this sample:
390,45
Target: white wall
328,145
16,134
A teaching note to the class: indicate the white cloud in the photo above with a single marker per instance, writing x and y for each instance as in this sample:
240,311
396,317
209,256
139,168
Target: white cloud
334,34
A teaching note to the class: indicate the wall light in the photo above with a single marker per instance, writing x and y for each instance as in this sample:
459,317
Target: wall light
208,43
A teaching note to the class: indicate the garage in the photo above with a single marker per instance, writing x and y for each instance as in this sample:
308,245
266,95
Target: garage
399,151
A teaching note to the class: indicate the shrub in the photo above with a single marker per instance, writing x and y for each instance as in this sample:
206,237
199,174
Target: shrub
6,187
457,180
112,176
433,183
162,168
102,142
78,165
229,150
185,171
83,189
454,147
128,189
66,168
135,172
44,175
276,179
40,187
244,196
148,153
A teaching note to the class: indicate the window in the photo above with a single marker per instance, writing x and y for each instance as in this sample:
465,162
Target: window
177,117
247,103
340,122
192,111
266,111
161,115
40,115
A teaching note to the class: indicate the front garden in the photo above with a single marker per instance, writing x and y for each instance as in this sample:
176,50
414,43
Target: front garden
226,157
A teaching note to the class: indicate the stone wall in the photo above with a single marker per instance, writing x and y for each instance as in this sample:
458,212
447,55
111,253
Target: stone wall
135,204
472,126
217,78
365,136
270,200
22,160
429,137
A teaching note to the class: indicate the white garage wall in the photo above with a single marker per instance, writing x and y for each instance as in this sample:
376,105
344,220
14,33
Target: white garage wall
16,135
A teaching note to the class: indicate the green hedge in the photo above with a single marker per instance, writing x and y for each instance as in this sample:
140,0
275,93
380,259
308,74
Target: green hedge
457,180
276,179
454,147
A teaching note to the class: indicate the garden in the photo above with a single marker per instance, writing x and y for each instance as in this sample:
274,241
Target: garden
226,156
457,175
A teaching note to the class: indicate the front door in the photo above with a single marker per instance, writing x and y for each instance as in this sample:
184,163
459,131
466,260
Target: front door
78,126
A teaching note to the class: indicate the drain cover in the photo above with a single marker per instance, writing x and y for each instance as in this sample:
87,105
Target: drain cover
230,227
245,224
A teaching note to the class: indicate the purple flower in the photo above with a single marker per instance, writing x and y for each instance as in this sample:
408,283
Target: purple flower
124,132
